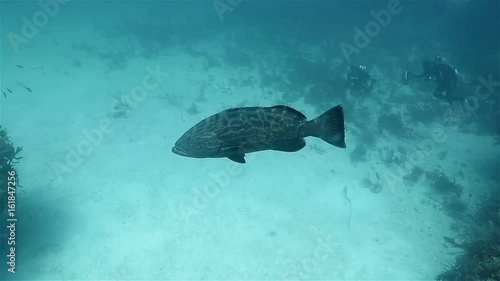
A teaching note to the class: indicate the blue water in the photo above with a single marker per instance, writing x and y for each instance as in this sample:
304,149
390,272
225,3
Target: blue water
97,93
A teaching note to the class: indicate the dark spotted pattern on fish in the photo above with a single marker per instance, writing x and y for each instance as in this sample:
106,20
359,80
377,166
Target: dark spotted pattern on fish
234,132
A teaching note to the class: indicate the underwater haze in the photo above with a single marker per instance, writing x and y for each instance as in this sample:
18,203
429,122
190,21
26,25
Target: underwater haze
98,92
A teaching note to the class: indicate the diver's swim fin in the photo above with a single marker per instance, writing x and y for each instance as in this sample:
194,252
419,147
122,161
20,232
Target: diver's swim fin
469,108
466,106
450,112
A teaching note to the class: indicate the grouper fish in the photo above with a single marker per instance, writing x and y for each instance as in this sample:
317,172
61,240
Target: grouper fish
234,132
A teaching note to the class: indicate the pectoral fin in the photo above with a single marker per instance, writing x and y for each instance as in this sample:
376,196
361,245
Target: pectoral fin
235,153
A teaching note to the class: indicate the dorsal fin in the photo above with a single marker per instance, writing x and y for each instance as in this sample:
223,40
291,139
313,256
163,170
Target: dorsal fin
290,110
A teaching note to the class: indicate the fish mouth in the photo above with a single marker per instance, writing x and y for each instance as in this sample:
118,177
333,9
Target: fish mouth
179,151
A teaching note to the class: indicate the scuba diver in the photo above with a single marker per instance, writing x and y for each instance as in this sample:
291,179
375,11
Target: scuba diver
442,73
359,79
446,77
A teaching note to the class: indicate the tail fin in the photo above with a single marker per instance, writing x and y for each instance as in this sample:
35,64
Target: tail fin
329,127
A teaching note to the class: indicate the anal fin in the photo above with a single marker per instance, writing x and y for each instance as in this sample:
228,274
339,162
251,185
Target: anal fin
290,145
235,153
237,158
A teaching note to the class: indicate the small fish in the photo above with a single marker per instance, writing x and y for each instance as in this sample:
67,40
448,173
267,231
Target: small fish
37,67
9,90
28,89
20,66
5,95
234,132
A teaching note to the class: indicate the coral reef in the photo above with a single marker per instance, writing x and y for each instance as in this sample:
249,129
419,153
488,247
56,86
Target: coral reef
448,192
8,157
488,213
414,176
389,156
442,184
480,259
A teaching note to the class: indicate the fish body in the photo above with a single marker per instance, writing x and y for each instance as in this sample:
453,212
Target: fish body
234,132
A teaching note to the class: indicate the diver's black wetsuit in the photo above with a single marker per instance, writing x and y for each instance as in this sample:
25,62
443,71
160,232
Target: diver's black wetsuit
359,79
445,76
